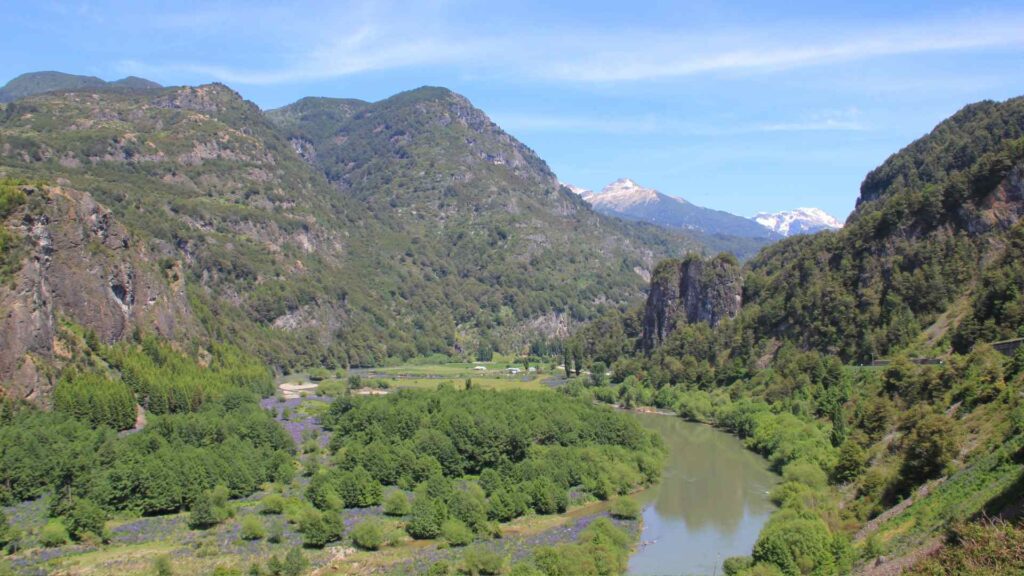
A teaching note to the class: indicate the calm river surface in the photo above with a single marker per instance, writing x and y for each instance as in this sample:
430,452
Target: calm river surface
711,503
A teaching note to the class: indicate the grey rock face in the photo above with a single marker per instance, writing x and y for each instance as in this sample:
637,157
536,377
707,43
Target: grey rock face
689,292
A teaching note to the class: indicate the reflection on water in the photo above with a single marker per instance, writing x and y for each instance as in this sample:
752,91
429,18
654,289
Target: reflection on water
711,503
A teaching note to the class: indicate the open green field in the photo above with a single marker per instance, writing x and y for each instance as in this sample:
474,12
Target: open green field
430,376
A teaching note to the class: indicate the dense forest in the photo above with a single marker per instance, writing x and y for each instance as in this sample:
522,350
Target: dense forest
446,465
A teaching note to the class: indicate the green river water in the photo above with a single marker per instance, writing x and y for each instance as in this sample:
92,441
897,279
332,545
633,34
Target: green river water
711,503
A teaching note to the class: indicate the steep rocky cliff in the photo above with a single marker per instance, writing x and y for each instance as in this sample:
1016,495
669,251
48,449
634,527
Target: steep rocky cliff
74,262
691,291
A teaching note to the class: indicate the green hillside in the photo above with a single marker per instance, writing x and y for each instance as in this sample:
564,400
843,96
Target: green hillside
879,463
334,232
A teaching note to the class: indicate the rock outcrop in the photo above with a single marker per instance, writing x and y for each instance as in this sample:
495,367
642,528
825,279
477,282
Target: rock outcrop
691,291
78,265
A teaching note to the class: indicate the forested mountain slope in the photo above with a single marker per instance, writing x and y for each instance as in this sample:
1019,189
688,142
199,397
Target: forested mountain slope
329,232
877,462
935,224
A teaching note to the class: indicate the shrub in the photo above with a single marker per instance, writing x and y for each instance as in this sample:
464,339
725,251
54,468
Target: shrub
797,544
205,513
480,560
359,489
525,569
6,532
318,374
396,503
86,517
162,566
295,563
320,529
273,504
852,461
930,448
275,535
439,568
53,534
252,528
456,533
735,565
805,472
625,508
321,492
368,534
504,505
427,517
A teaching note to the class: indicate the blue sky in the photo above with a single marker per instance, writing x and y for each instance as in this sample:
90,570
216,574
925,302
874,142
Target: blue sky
740,106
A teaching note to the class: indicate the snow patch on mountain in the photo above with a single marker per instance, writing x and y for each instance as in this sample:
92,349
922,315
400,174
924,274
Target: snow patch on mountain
580,191
799,221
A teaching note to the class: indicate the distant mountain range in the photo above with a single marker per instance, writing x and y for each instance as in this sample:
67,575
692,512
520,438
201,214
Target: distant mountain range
799,221
34,83
626,199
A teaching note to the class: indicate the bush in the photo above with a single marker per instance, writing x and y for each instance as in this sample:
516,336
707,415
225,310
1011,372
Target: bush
456,533
318,374
205,513
86,517
359,489
852,461
439,568
525,569
273,504
320,529
396,503
275,535
480,560
796,543
162,566
625,508
735,565
427,517
368,534
53,534
252,528
295,563
932,445
805,472
6,532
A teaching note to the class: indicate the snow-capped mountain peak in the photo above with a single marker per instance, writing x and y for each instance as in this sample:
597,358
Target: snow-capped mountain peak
799,221
625,193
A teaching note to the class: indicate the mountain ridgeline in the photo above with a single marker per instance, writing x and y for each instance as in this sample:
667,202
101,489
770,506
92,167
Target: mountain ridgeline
328,232
34,83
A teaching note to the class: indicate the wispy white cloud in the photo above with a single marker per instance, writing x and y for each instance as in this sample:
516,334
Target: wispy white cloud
653,57
357,41
829,120
349,55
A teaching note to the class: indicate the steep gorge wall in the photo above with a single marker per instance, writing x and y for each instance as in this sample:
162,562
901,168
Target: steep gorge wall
691,291
77,263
